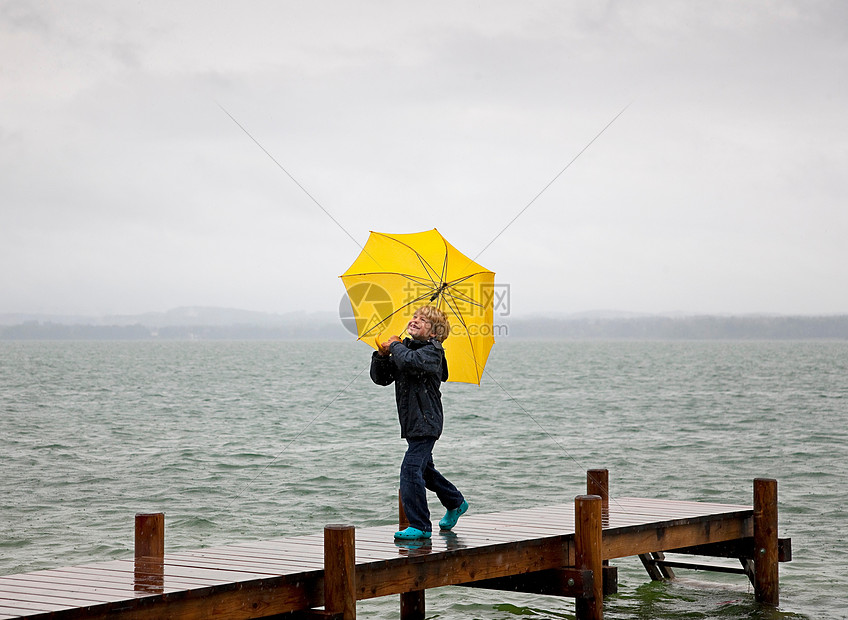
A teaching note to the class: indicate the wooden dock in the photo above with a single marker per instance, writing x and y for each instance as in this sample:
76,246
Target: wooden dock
561,550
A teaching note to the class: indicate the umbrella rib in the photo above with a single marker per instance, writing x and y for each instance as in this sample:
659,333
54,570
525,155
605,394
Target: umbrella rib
416,279
451,287
459,297
394,312
426,265
444,263
453,306
408,276
467,336
469,276
429,286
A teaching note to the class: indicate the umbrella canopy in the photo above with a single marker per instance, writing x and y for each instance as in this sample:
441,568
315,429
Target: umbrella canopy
395,274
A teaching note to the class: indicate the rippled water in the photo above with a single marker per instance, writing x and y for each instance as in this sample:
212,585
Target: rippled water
237,441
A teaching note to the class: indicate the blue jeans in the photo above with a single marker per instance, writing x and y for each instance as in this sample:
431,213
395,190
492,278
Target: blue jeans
417,474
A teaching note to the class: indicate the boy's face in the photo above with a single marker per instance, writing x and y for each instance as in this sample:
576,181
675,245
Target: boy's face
420,328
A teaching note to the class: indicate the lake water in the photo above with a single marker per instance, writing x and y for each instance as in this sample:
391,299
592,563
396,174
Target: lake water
255,440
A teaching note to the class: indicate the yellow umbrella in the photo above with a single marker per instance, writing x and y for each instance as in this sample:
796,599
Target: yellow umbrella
395,274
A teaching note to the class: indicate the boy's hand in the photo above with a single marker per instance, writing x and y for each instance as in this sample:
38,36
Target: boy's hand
384,347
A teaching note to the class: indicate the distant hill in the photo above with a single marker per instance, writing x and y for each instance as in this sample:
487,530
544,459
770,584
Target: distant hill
682,327
187,323
202,323
187,315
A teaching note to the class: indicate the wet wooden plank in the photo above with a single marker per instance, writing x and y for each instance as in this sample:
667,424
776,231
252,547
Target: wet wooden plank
75,589
291,564
119,569
28,607
117,579
38,583
108,583
15,612
73,598
203,576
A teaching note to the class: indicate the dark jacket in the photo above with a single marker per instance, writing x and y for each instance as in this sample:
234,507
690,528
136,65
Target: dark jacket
417,369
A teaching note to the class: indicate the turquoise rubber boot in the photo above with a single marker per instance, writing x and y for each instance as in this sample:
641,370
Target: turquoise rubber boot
411,533
452,516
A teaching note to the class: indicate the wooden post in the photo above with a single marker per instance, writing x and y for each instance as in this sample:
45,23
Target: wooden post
149,573
588,553
411,603
597,483
766,588
403,522
150,535
340,571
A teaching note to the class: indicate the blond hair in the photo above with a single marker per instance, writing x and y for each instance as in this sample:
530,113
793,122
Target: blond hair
438,321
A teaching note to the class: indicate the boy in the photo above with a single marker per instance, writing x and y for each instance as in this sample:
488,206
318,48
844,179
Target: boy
417,366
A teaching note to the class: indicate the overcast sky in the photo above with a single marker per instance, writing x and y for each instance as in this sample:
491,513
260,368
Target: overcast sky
125,187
